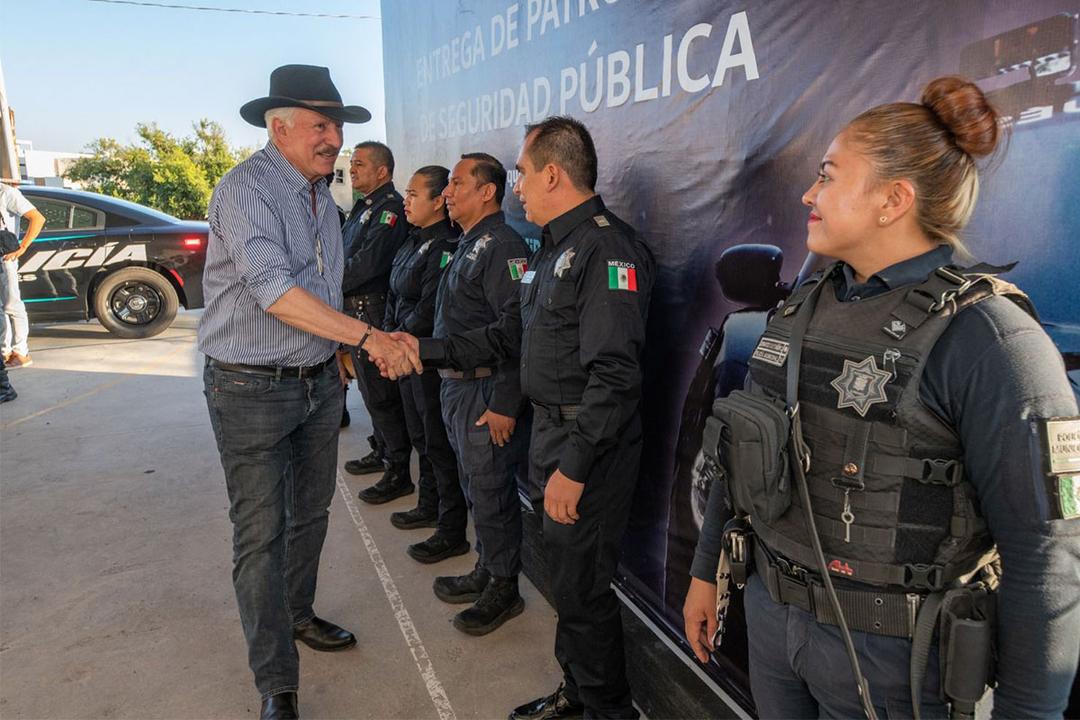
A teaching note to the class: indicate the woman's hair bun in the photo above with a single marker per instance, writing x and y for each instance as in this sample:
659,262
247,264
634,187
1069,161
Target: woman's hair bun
965,112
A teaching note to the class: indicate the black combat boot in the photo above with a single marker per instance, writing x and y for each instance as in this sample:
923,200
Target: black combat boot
499,602
461,588
370,463
426,512
418,517
437,547
394,483
556,706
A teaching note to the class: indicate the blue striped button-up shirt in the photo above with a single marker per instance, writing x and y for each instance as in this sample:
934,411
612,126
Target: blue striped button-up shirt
265,240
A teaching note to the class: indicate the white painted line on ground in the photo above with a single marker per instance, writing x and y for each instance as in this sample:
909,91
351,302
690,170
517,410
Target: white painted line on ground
408,629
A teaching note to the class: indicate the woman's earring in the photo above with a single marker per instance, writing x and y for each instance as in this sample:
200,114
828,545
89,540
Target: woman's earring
882,220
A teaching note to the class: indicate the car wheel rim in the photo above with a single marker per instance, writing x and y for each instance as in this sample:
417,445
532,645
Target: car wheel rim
135,303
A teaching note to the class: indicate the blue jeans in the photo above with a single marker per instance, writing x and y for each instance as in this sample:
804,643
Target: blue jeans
14,324
799,667
278,444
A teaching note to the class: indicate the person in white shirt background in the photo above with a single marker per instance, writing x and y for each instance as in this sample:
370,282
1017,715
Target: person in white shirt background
15,327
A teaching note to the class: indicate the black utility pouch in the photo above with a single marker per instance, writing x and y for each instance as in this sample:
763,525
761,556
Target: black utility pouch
747,435
967,642
9,242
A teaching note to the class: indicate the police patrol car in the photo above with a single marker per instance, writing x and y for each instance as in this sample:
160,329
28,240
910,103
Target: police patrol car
127,265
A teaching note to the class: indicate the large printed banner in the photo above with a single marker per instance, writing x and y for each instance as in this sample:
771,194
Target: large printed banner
710,119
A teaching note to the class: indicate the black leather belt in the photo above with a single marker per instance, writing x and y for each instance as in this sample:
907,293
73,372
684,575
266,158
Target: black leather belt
364,299
277,372
880,613
474,374
562,412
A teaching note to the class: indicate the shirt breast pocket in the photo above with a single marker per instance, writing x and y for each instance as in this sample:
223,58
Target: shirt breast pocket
558,304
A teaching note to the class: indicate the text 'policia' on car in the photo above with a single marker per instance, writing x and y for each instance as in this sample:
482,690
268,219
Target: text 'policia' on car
129,266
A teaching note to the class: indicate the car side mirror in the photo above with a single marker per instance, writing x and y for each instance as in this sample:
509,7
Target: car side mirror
750,275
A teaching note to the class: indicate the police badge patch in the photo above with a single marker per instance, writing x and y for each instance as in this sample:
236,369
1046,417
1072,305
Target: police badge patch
424,248
861,385
478,247
563,263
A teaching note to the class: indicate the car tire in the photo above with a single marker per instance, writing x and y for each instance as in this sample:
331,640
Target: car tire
135,302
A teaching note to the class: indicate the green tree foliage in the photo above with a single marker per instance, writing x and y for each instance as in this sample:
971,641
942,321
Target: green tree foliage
174,175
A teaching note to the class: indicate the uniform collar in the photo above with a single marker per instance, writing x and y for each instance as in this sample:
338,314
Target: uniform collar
563,225
372,196
906,272
291,175
441,229
484,224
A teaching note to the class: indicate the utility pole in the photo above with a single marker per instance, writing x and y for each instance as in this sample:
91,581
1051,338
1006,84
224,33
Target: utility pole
9,162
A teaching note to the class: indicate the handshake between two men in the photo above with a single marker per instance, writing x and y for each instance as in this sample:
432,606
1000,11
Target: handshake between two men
396,354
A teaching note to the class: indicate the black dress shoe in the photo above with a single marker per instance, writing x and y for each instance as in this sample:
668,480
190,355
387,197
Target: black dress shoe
437,548
556,705
415,518
370,463
324,636
280,707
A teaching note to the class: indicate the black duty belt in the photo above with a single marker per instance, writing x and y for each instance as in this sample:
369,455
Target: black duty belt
474,374
277,372
359,302
561,412
880,613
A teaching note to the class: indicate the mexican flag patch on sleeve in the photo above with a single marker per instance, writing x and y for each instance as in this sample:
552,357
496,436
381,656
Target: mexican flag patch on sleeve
621,275
388,218
447,255
517,266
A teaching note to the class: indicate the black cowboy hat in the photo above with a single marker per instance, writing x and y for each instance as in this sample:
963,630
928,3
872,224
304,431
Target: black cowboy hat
303,86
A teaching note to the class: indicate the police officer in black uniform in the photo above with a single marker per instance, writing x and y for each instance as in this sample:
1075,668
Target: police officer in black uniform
414,281
580,330
483,407
930,460
374,232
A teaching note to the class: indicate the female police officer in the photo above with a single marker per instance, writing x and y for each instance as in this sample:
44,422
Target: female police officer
410,307
934,415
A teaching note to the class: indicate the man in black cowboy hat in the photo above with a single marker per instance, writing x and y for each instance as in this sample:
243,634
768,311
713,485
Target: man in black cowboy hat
270,331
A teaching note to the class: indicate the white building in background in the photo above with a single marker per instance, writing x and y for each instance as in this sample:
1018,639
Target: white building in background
45,167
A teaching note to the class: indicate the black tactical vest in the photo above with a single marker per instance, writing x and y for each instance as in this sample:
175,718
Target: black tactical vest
886,476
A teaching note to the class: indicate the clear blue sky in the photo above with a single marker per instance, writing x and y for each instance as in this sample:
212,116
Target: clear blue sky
78,70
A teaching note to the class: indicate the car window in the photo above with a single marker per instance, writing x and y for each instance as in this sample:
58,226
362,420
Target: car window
84,218
61,215
56,214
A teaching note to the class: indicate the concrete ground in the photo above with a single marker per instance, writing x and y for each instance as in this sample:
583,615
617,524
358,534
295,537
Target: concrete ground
115,561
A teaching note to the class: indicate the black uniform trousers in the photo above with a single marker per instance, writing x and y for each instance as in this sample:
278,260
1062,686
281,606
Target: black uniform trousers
488,473
440,491
381,396
582,559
